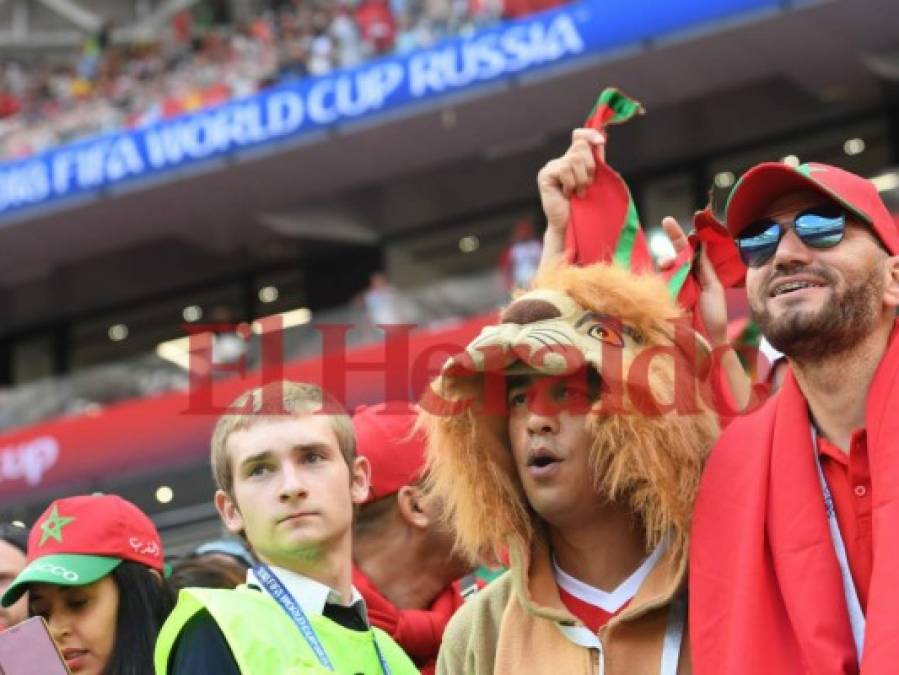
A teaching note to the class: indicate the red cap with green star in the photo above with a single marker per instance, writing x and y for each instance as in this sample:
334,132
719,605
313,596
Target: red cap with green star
79,540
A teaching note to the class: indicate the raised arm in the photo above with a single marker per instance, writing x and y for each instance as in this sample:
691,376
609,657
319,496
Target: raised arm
559,180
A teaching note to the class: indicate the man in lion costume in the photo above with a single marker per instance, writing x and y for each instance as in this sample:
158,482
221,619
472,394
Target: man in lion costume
568,440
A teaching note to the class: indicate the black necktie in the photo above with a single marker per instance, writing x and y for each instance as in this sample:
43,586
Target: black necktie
348,617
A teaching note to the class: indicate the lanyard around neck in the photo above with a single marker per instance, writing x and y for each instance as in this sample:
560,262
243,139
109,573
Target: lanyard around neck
674,634
856,615
279,593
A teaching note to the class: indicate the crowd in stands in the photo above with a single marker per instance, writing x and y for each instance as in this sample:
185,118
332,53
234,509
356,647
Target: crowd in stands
196,63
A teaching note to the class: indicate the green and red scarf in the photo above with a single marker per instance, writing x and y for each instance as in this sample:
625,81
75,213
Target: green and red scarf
604,224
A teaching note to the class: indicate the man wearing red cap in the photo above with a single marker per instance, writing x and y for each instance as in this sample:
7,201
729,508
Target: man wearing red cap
794,548
405,567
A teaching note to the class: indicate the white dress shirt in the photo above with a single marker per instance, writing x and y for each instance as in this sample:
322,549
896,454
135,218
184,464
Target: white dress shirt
310,595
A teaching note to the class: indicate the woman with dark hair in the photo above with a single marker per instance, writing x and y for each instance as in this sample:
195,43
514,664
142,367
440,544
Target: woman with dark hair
95,573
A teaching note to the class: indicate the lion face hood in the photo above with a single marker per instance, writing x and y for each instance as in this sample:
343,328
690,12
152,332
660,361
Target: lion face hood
545,331
651,429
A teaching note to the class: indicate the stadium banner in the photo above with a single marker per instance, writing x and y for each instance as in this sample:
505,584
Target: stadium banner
579,30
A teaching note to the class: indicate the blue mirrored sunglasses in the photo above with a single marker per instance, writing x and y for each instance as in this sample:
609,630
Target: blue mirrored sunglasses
817,227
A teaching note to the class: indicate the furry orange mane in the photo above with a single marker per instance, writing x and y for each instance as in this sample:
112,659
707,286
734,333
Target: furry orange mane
653,462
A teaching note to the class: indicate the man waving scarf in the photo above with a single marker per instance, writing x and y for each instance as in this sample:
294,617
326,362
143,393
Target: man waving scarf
548,440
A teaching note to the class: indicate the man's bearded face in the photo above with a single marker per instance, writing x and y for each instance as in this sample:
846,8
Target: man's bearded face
833,326
842,300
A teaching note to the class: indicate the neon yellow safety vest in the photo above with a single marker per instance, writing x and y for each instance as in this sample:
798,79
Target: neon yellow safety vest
264,640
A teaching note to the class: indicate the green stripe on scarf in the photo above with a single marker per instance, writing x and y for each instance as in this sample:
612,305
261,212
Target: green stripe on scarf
604,225
622,105
624,248
677,280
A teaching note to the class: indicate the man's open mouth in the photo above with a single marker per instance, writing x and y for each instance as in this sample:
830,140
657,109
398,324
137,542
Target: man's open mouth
542,458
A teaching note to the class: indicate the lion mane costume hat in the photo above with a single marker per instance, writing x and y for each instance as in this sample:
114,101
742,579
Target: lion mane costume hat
602,317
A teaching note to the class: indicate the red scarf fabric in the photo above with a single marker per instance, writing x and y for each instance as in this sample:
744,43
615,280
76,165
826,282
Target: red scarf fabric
604,225
765,586
709,232
418,631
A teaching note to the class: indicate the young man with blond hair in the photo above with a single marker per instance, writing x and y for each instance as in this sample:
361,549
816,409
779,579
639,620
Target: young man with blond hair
288,481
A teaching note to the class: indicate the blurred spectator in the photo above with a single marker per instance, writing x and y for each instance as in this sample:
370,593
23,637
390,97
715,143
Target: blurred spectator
487,11
322,56
376,25
222,563
514,9
381,301
232,548
206,572
9,104
520,260
294,56
227,345
405,567
410,36
182,28
13,546
346,37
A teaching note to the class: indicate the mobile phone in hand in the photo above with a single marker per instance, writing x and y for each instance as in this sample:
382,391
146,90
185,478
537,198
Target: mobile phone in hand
27,649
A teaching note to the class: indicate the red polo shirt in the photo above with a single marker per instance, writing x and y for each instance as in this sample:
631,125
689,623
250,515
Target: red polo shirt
849,479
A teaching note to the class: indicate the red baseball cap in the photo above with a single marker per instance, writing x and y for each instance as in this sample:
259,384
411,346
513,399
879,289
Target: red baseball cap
386,438
79,540
764,183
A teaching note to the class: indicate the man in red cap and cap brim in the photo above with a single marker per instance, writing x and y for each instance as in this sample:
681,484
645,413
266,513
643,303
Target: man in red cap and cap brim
405,567
794,548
